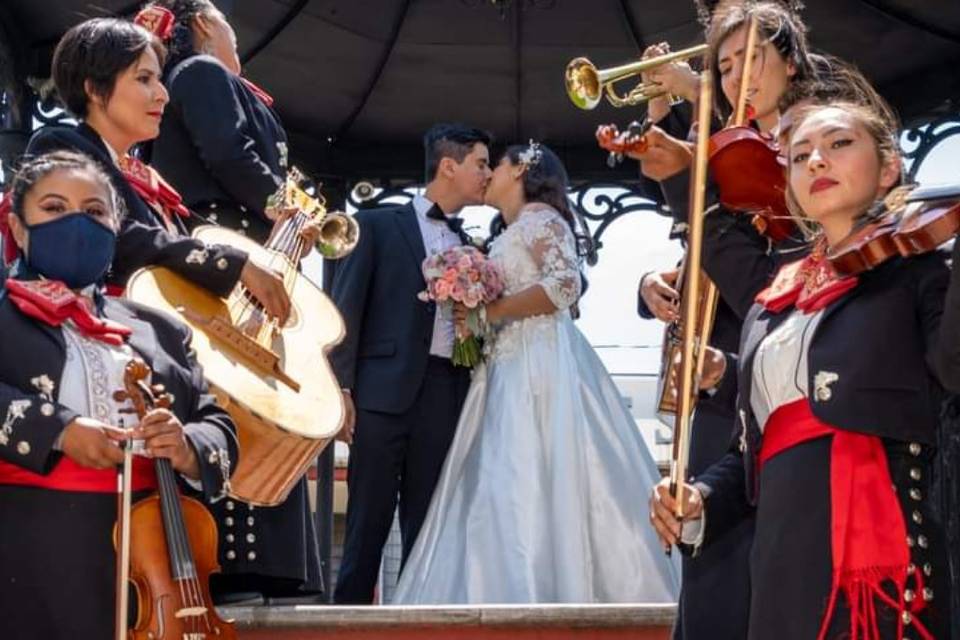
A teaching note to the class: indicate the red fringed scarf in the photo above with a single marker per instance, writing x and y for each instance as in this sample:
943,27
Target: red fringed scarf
868,532
150,186
51,302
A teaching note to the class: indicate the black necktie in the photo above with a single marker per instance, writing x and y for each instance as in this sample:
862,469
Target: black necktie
454,223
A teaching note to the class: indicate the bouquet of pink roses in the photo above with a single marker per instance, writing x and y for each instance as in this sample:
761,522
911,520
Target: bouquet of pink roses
464,275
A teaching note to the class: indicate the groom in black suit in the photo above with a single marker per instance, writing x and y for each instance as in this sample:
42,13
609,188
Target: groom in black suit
394,364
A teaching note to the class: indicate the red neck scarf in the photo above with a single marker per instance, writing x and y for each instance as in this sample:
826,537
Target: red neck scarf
51,302
264,97
150,186
809,284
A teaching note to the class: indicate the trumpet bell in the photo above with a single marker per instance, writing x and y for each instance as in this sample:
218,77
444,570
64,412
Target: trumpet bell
583,83
339,234
586,84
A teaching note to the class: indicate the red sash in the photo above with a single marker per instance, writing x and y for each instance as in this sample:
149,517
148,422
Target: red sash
868,532
67,475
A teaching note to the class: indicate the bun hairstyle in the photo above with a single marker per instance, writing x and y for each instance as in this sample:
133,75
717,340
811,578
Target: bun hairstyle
181,41
707,8
836,80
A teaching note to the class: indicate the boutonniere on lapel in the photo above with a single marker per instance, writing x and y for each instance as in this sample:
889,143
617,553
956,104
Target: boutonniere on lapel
463,275
810,284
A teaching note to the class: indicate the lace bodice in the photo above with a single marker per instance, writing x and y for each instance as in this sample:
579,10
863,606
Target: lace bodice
538,248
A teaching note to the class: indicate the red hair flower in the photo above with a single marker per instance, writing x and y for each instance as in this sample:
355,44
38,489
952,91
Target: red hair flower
156,20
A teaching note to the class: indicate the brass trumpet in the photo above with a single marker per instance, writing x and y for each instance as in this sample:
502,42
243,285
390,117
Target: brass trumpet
339,232
585,83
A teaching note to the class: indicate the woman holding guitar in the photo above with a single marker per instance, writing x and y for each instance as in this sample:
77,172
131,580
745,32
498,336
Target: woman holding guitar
222,144
107,73
62,356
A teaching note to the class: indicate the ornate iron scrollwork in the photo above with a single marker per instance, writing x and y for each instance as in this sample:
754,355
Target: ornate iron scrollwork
602,203
917,143
597,205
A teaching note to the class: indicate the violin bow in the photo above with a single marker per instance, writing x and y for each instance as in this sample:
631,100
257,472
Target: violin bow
740,115
124,500
692,345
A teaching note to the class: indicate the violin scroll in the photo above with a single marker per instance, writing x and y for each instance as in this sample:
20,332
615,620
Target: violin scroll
620,143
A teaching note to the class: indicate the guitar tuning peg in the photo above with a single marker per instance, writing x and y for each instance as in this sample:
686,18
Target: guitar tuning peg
120,396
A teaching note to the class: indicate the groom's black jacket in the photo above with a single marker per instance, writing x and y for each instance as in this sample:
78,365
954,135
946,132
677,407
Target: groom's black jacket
384,355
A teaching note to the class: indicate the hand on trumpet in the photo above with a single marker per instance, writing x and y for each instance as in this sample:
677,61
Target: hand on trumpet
677,79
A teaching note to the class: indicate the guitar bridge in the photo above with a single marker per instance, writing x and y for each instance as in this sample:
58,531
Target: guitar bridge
263,359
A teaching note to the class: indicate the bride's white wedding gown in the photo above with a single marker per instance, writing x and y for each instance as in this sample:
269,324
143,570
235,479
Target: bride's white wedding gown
543,495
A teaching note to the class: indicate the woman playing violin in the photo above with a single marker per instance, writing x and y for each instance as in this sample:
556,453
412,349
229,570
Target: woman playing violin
841,379
714,602
62,355
107,73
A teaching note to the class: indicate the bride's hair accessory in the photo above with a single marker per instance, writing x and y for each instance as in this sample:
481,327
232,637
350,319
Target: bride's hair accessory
531,156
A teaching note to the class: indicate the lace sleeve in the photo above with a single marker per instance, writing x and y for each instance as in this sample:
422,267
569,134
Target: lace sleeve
551,245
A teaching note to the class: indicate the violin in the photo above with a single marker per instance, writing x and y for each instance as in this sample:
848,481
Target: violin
750,175
172,544
910,221
620,143
746,165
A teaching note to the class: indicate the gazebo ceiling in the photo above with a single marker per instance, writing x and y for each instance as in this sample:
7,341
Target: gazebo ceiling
358,81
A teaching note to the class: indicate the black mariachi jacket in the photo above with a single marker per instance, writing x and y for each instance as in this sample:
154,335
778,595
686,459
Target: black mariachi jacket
32,359
218,141
143,239
878,364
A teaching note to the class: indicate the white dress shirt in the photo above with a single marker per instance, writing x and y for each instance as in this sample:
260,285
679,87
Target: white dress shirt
437,238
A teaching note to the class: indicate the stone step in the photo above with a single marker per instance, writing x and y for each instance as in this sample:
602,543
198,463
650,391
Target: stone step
488,622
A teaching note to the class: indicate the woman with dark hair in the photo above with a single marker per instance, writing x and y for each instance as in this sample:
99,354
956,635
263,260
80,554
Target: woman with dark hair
224,148
107,74
715,598
62,355
221,144
841,384
537,498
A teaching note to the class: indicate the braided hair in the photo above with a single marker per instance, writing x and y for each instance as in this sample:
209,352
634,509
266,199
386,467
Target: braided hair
34,169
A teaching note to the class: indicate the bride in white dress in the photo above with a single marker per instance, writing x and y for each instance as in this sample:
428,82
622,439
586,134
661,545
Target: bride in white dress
542,497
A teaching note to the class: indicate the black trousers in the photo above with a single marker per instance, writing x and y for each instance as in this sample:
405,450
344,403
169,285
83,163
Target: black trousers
58,564
396,456
714,599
